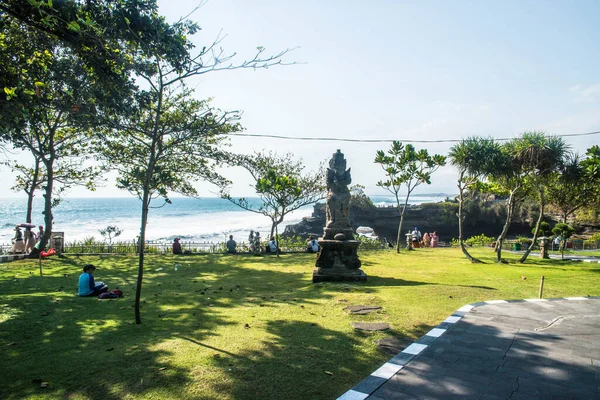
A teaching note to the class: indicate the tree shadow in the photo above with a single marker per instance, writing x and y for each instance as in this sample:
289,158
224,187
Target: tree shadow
91,348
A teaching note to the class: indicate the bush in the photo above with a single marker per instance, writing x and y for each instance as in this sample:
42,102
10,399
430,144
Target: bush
480,240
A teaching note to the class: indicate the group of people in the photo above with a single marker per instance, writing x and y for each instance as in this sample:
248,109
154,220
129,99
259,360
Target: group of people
426,240
254,241
24,242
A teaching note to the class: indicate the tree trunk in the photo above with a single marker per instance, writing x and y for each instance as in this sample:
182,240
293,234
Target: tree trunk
142,247
399,238
45,239
460,221
32,189
509,213
277,241
537,228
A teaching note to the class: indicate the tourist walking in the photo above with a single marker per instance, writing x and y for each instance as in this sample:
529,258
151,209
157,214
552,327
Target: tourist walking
18,243
231,245
426,240
434,239
416,238
40,233
29,240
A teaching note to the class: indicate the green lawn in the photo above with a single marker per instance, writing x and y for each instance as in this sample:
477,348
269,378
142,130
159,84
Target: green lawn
238,327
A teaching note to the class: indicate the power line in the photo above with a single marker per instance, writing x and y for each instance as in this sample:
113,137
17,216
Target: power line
331,139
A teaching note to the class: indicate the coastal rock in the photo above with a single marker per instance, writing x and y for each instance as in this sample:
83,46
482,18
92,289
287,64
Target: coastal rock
429,217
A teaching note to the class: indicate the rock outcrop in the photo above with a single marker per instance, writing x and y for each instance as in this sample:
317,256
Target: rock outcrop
429,217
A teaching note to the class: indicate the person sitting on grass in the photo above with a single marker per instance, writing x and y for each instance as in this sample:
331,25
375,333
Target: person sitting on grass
87,286
273,248
231,245
313,245
177,246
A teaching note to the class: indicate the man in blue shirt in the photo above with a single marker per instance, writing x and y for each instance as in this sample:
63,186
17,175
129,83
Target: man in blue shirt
87,286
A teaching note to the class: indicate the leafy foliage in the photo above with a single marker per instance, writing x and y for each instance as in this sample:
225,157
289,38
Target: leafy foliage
111,231
281,184
564,232
405,166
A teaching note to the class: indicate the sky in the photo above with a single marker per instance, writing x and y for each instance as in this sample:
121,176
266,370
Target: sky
395,70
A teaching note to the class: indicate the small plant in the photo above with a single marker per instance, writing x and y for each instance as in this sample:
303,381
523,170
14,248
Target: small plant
544,230
524,240
111,231
480,240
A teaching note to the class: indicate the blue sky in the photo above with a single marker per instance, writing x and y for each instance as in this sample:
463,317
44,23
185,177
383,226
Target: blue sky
399,70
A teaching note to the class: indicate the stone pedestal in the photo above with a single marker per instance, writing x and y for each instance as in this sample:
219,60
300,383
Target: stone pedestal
338,261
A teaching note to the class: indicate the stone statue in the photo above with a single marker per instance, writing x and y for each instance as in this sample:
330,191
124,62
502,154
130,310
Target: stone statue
338,199
338,258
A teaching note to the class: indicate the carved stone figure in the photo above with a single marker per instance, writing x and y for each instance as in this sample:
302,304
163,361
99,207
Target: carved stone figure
338,199
338,258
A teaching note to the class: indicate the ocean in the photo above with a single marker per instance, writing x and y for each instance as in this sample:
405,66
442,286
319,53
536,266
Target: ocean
208,219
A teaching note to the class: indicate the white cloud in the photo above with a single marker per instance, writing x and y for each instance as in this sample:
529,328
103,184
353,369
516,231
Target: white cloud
585,94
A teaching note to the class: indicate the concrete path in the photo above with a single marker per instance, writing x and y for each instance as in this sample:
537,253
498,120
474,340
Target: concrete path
525,350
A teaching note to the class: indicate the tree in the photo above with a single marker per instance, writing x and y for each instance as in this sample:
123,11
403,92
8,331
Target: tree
165,139
506,179
28,180
104,35
112,231
474,158
405,166
54,132
281,185
540,156
564,231
571,188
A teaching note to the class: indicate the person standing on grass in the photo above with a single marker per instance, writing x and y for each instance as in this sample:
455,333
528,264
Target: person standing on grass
434,239
29,240
231,245
416,238
18,243
87,286
426,240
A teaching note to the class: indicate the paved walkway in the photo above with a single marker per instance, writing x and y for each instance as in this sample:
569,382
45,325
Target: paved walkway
525,350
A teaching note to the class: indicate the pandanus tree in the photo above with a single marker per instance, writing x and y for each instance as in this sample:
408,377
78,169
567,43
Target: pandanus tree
474,158
570,188
506,178
541,157
404,166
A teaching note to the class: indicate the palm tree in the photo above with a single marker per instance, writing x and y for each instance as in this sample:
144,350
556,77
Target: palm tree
540,156
474,158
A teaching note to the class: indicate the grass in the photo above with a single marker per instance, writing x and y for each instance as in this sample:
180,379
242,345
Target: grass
238,327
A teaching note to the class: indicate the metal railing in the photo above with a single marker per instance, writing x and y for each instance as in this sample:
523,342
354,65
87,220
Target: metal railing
159,247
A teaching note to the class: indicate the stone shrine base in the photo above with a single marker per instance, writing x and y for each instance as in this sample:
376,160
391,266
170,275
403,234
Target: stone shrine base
338,261
335,275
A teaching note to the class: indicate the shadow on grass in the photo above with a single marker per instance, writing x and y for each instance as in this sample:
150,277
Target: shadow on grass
83,347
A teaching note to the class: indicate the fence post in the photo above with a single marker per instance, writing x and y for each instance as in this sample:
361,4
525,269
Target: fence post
541,286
